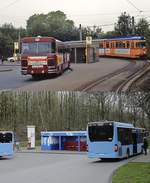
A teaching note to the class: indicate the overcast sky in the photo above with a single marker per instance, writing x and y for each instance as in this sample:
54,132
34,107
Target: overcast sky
86,12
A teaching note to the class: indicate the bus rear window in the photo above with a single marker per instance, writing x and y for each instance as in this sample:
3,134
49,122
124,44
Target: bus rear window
101,132
5,137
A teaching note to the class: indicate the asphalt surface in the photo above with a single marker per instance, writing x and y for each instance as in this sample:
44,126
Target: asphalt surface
81,75
11,78
55,168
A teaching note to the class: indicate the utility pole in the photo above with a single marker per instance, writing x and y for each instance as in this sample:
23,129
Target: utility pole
80,32
19,40
133,26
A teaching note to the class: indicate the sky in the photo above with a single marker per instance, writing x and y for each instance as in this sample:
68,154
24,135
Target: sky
102,13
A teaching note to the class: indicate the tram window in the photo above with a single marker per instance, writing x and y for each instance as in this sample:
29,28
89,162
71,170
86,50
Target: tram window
132,44
140,44
101,45
120,45
114,45
123,45
128,44
117,45
107,44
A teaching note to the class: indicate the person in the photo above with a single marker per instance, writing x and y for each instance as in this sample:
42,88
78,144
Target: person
145,145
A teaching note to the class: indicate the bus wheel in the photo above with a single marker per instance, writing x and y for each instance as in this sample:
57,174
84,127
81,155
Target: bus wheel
35,76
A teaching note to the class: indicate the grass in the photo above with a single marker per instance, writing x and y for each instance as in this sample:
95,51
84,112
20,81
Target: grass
133,173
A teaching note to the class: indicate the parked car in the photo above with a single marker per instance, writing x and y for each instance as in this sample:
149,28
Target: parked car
11,59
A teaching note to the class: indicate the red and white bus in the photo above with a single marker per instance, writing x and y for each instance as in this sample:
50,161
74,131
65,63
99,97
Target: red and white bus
43,56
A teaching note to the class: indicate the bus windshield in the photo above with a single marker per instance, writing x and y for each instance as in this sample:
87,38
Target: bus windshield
38,47
6,137
101,132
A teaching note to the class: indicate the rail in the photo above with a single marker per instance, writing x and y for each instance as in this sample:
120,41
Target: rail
126,85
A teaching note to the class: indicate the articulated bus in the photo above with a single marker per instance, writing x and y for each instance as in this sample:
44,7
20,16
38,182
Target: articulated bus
116,140
6,143
43,56
127,47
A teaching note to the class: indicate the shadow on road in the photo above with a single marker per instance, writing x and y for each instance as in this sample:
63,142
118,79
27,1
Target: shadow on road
108,160
50,76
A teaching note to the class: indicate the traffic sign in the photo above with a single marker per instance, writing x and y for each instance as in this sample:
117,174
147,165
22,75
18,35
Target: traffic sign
88,40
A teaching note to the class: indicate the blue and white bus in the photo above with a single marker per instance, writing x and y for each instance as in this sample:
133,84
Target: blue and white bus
6,143
109,139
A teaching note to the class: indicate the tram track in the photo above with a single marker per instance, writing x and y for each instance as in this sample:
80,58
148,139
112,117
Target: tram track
99,81
127,85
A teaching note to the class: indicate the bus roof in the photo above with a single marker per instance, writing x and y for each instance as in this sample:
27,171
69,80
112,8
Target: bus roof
6,132
117,124
38,39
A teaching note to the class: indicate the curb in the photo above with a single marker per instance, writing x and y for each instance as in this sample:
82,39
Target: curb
6,70
130,160
54,152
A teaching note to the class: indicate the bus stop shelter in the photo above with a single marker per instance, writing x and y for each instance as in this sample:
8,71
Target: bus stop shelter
64,140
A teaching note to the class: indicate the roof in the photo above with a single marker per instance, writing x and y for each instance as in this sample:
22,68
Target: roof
119,124
63,133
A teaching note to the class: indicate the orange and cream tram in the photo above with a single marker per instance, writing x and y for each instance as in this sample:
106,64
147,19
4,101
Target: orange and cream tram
128,47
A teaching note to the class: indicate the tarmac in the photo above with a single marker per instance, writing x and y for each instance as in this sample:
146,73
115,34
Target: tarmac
4,68
7,66
38,150
139,158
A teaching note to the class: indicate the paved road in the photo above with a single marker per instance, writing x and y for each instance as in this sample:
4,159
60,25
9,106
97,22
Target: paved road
82,73
11,78
55,168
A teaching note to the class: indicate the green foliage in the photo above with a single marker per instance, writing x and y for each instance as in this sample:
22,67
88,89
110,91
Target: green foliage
53,24
8,35
124,25
133,173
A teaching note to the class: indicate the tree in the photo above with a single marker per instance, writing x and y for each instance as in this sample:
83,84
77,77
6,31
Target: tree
124,25
8,35
142,27
54,24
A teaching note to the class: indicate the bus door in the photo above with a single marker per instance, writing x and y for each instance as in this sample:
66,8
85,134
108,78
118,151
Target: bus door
134,137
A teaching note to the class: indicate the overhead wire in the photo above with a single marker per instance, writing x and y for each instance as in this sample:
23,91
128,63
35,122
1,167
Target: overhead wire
140,11
10,4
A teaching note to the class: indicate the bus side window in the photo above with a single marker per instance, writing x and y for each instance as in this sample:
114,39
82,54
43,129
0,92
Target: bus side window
53,47
125,136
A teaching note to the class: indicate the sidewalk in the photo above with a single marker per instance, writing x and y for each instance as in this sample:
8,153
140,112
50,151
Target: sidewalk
142,158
